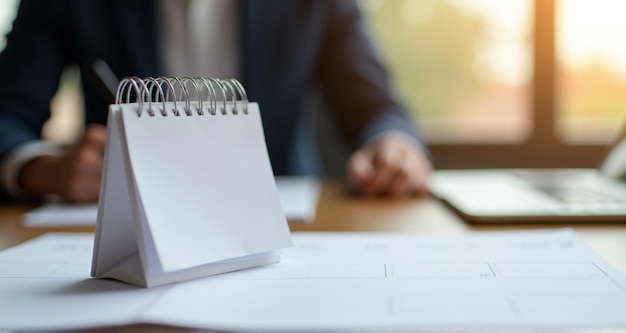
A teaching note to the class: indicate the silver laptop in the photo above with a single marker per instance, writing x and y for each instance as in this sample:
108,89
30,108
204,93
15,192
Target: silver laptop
538,195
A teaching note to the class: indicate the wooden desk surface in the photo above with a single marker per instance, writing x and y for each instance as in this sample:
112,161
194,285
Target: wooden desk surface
338,211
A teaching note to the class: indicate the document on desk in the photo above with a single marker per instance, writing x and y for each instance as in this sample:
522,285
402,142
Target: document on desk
334,281
298,197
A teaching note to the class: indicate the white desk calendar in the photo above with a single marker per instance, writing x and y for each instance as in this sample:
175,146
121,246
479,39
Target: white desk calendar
187,188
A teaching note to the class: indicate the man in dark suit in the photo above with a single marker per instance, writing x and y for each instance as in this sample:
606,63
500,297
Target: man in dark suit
282,50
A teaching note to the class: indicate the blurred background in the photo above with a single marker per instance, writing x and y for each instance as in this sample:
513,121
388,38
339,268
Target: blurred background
515,83
536,83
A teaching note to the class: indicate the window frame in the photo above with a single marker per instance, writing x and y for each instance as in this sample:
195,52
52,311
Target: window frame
543,148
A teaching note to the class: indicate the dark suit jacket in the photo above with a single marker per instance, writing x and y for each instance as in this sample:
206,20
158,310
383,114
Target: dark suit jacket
287,47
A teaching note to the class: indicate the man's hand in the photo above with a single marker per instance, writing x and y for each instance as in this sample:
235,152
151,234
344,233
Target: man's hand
391,165
74,175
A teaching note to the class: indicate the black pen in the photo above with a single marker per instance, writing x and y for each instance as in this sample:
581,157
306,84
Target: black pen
103,78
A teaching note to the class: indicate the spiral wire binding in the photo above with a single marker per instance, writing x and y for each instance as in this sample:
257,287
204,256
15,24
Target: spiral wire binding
161,90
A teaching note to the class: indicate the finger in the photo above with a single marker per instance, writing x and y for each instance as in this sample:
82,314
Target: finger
412,177
422,175
88,161
405,181
360,169
82,186
88,155
422,182
95,137
386,165
83,191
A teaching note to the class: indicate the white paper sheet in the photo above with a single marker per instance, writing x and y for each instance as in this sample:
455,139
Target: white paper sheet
61,215
298,196
334,281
